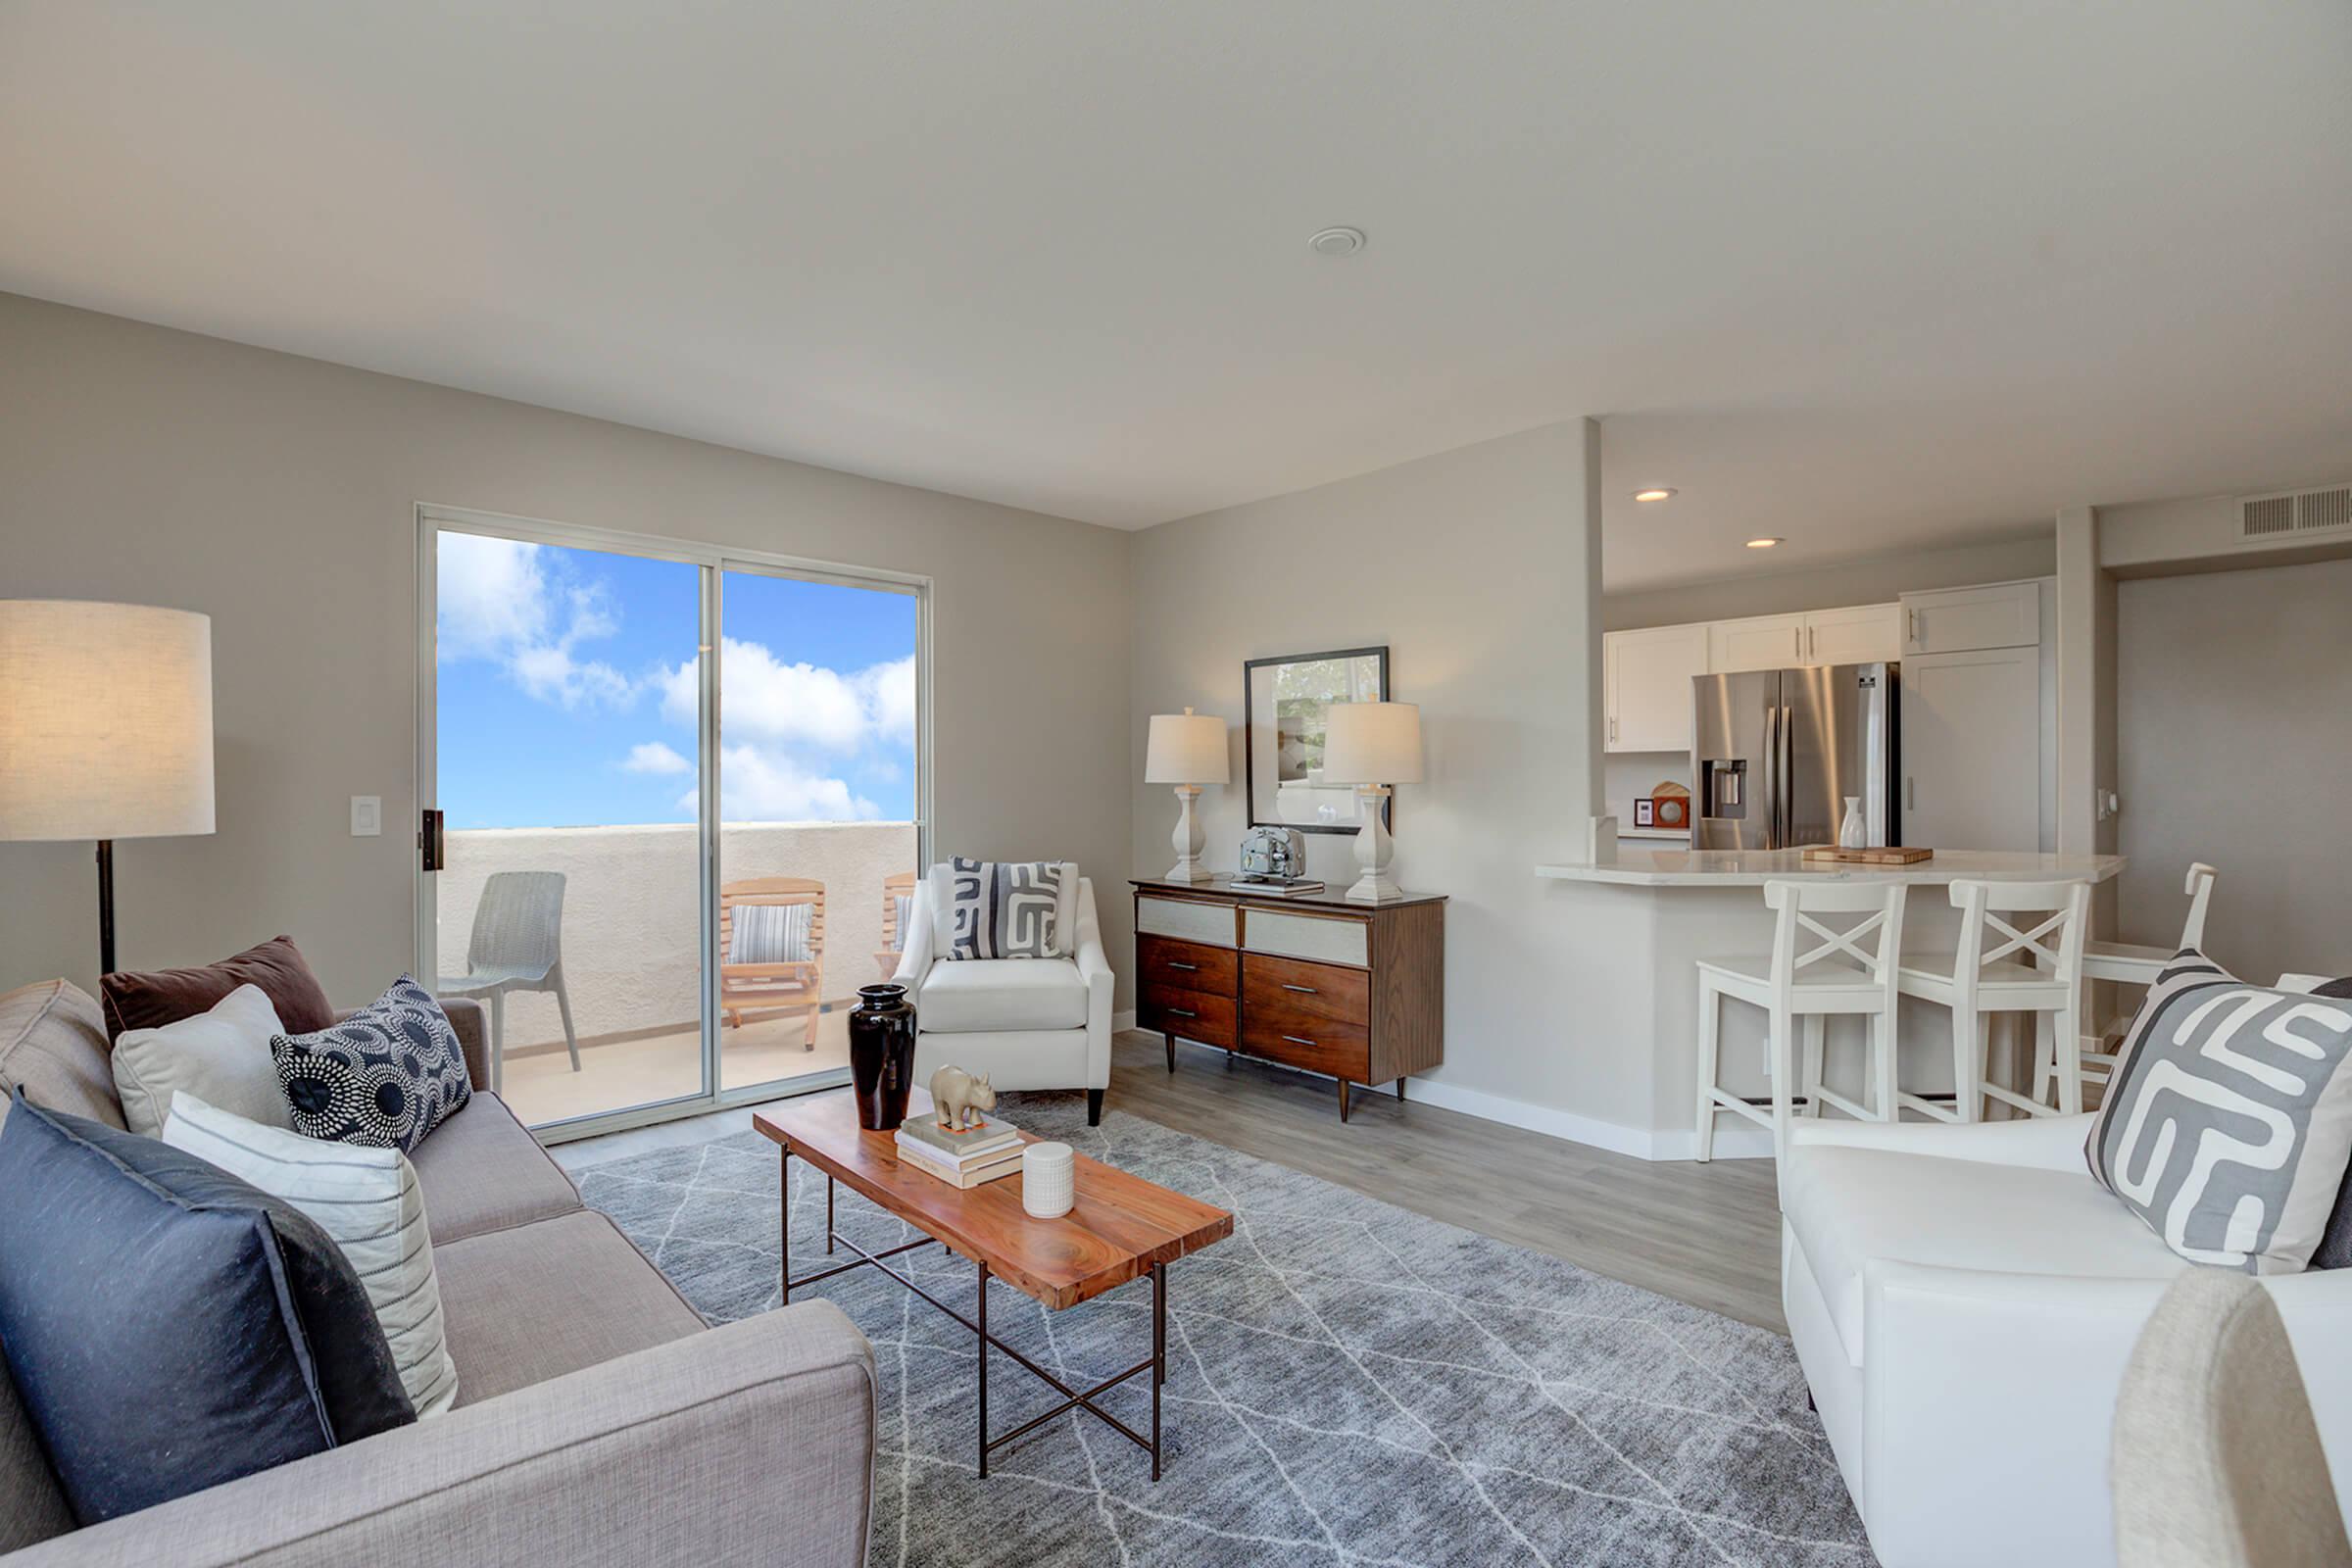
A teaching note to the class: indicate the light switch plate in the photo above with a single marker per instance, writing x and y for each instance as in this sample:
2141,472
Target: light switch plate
367,816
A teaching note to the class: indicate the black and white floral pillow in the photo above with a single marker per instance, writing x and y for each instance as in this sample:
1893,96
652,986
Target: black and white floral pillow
383,1077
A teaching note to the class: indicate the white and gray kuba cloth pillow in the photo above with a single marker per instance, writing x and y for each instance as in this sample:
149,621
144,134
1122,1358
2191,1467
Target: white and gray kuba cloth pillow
1005,909
2228,1127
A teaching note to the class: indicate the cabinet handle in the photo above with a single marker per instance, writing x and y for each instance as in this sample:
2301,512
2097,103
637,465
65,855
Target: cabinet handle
1304,991
1800,634
1296,1040
1612,727
1188,967
1183,1012
1911,626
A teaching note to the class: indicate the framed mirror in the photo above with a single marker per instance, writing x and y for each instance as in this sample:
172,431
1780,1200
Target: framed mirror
1283,705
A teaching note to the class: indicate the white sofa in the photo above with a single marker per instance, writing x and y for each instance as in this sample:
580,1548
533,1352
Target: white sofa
1964,1301
1024,1023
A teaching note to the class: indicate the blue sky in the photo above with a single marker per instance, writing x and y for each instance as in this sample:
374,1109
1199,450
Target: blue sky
567,692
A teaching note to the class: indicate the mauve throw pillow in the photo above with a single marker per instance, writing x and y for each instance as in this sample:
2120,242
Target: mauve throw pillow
170,1327
166,996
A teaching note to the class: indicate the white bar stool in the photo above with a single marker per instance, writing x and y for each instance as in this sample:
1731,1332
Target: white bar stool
1983,978
1842,974
2136,963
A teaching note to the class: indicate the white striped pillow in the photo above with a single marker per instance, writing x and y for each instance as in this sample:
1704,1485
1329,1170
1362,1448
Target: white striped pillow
368,1200
769,933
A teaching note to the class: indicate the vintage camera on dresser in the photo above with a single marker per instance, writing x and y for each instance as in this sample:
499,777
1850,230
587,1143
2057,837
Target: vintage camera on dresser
1273,857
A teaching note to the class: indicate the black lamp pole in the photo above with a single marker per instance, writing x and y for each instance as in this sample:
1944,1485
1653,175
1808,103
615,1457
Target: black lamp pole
106,905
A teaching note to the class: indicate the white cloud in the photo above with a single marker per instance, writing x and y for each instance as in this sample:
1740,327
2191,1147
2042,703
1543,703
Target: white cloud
655,758
801,703
496,601
759,785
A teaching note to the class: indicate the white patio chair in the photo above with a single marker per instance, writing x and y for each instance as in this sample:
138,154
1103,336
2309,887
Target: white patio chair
516,945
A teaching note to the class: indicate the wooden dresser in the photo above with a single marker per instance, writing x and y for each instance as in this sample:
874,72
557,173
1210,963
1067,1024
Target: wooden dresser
1354,990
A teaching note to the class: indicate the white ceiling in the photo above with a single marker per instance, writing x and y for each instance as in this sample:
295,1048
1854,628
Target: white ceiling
1871,276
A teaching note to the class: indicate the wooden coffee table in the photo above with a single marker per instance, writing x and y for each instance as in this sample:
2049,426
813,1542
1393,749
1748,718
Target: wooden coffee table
1121,1228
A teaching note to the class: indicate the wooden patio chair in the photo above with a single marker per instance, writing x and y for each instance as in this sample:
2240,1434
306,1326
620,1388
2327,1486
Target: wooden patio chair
794,986
899,885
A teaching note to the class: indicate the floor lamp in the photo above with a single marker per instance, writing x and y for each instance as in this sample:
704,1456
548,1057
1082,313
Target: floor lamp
106,728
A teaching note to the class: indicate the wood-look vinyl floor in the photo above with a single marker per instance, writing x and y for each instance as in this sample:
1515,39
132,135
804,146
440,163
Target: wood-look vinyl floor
1708,1235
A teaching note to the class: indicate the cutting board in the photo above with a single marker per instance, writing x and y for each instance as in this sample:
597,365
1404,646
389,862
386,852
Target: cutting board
1900,855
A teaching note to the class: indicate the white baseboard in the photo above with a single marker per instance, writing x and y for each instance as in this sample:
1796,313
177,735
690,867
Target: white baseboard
1120,1021
1643,1143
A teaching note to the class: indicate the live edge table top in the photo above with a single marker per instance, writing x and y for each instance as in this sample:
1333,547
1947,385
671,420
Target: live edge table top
1119,1228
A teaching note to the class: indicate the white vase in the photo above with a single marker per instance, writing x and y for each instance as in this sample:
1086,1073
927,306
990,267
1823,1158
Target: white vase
1854,832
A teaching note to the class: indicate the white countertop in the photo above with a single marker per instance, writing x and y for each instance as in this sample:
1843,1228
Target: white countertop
1749,869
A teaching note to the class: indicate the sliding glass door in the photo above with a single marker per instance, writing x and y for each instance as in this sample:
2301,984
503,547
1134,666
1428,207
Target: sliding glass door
672,798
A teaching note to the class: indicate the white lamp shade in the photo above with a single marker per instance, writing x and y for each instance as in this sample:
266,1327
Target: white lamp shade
1186,748
1372,743
106,720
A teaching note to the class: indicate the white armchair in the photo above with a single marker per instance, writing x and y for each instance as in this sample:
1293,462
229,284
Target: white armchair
1025,1023
1964,1301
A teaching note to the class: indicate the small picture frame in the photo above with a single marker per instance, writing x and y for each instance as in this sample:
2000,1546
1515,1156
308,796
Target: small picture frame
1646,813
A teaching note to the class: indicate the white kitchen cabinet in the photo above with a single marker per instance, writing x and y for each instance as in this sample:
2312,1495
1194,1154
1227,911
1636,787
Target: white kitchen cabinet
1646,685
1759,642
1954,620
1972,749
1859,634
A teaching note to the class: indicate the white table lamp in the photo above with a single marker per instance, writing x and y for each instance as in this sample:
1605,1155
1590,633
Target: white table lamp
1372,746
1187,750
106,728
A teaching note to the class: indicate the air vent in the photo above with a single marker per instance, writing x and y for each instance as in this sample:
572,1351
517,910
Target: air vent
2294,511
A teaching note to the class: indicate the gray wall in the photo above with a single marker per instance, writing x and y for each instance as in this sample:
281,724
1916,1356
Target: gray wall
1875,582
2234,744
277,495
1472,567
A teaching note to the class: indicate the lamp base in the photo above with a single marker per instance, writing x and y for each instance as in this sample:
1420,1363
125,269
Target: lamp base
1374,851
1188,839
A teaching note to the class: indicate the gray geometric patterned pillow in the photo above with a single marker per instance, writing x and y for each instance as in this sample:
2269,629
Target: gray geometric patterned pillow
2228,1127
1003,909
383,1077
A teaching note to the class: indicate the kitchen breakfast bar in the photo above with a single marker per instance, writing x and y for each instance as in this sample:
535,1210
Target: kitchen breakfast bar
1665,908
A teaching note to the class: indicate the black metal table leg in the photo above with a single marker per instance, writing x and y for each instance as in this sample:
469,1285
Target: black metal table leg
1159,1353
784,1231
983,1336
828,1213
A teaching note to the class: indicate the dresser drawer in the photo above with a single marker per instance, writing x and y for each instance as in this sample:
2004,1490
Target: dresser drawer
1318,1045
1297,992
1190,919
1194,1014
1331,939
1187,966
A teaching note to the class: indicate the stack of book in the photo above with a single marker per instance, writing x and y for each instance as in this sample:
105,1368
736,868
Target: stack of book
1276,887
981,1153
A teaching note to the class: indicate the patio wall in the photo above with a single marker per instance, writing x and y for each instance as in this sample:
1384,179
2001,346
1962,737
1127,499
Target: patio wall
629,918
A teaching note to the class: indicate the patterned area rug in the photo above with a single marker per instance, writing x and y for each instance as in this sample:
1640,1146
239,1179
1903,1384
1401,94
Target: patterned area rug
1347,1383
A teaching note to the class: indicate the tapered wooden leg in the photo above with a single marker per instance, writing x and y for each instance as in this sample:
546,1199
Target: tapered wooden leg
1172,1053
1400,1091
1343,1099
1094,1107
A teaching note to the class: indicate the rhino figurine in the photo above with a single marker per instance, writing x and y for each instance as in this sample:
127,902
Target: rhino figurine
959,1097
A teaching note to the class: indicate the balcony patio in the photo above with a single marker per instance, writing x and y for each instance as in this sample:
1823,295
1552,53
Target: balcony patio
629,934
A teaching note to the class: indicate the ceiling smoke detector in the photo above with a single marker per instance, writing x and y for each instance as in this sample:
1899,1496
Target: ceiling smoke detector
1335,242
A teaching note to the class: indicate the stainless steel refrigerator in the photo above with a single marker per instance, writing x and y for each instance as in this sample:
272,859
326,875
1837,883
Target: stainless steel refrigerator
1774,753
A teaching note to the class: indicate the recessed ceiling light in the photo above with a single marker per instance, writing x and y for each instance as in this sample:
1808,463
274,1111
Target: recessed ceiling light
1335,242
1764,544
1654,493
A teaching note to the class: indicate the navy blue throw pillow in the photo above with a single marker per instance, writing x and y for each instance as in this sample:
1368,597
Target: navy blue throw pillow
383,1077
170,1327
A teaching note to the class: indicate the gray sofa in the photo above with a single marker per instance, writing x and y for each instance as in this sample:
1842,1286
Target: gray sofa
599,1421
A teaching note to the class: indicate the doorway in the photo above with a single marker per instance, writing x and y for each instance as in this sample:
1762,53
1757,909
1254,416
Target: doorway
672,799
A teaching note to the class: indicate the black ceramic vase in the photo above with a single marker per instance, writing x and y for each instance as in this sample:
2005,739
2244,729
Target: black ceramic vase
882,1055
